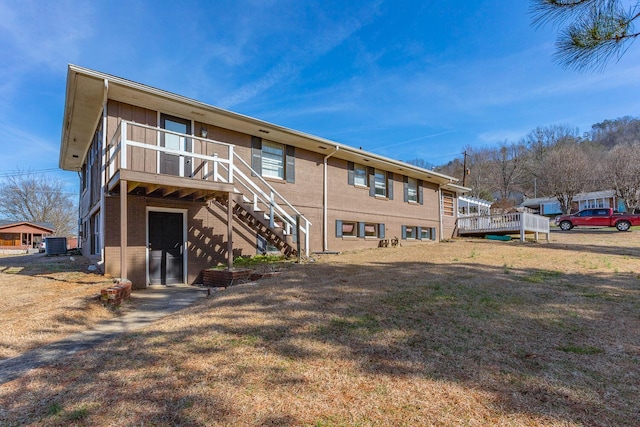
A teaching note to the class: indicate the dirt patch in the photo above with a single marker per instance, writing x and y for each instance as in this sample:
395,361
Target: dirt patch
470,332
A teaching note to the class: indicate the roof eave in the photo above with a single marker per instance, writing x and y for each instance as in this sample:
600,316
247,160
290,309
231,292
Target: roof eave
146,96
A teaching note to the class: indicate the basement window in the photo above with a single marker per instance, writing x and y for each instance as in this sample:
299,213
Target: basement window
359,229
349,229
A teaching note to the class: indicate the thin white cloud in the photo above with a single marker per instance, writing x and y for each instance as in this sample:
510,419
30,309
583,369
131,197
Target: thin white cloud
302,55
18,146
409,141
37,33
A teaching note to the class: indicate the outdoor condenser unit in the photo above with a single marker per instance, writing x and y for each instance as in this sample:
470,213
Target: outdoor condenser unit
56,245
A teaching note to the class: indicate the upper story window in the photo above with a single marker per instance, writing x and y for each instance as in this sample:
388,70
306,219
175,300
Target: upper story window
413,192
83,177
273,160
357,175
380,183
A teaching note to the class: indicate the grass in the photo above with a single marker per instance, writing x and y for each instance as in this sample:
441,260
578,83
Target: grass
580,350
393,336
45,299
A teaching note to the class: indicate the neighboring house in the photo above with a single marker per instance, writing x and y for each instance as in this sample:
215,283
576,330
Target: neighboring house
171,186
597,199
23,234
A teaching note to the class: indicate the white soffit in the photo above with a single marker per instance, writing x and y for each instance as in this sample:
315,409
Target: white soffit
82,111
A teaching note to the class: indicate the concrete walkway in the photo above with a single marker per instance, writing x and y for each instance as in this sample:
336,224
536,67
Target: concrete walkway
153,304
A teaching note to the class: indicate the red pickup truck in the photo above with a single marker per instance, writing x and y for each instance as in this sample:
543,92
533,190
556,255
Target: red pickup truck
599,217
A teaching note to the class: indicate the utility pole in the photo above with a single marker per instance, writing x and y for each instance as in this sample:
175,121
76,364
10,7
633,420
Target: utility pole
464,168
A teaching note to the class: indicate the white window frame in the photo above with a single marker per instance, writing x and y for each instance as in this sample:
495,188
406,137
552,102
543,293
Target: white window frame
359,175
412,190
96,234
354,230
368,226
425,233
380,183
273,162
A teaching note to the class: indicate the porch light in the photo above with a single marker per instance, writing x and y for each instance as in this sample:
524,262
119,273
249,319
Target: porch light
203,132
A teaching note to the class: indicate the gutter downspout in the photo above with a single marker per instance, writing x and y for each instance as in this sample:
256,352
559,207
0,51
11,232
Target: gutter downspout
325,244
440,224
103,175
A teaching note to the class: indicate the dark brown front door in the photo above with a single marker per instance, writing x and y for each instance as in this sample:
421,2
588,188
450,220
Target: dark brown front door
166,246
171,164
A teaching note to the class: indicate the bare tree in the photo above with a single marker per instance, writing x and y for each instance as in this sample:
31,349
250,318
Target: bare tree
481,173
623,165
567,172
623,130
421,163
539,143
40,199
508,161
596,31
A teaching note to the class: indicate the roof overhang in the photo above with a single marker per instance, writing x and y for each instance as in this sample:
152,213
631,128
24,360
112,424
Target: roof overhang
82,111
87,90
16,225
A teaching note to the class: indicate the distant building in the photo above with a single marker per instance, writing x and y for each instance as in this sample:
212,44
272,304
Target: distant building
596,199
23,234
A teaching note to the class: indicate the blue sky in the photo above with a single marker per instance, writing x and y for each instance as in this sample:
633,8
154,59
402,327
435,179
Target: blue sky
404,79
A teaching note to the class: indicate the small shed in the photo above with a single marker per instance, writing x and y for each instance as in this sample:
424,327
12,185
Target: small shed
23,235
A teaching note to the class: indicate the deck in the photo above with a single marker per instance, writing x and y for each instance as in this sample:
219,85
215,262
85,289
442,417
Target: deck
520,223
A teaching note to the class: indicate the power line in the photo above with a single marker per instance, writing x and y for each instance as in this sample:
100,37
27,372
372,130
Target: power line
31,172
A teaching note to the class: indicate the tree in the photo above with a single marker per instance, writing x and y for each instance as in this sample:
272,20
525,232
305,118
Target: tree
539,143
596,31
480,176
421,163
567,172
623,165
508,160
38,198
623,130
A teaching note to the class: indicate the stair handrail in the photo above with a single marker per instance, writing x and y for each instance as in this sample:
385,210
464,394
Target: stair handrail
232,170
268,199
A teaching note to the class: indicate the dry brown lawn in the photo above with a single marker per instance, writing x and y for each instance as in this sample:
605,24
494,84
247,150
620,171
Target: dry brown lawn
468,332
45,299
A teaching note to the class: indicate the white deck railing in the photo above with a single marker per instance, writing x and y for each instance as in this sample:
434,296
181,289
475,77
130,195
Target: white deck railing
517,222
138,147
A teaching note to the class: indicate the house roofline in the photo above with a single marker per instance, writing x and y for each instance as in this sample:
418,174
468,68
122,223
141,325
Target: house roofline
86,90
8,224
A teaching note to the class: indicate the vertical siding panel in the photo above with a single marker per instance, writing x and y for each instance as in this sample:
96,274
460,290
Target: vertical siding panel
151,138
136,155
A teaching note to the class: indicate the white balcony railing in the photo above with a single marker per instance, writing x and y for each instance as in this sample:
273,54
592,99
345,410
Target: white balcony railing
517,222
138,147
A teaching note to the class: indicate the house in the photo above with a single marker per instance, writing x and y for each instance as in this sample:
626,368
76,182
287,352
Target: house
596,199
171,186
23,235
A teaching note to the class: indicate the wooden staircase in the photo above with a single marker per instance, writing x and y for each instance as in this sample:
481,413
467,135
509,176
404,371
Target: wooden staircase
259,221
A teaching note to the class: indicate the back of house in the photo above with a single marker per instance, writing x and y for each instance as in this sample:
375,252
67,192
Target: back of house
171,186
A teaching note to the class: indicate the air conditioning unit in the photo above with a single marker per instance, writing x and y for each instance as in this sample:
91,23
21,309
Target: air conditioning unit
56,245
